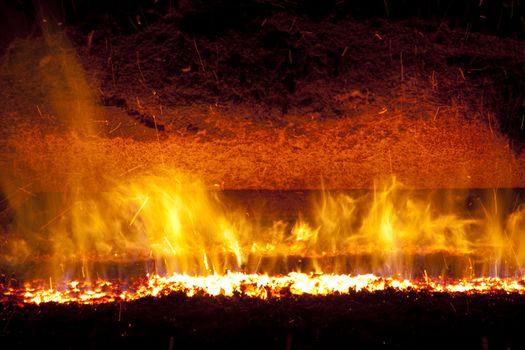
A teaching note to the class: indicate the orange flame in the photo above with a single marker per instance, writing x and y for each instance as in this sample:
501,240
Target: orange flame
254,286
193,237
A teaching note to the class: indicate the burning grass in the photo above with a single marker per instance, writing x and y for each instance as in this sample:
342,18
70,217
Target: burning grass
175,236
386,319
185,228
129,246
249,285
202,245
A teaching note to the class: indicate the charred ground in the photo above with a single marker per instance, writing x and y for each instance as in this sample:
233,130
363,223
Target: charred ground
382,320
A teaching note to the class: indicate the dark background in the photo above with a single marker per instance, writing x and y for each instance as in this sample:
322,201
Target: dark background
499,17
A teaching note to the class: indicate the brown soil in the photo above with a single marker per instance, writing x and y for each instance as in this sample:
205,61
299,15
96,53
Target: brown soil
345,153
289,103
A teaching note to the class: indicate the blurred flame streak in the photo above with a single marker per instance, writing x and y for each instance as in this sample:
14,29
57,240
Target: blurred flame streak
187,230
138,212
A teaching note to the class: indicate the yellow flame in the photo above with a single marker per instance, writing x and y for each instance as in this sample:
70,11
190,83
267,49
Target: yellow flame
182,227
191,240
253,286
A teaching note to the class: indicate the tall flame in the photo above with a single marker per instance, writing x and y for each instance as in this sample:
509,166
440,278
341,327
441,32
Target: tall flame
163,223
171,224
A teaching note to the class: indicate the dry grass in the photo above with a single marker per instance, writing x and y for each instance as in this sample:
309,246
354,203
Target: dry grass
396,125
346,153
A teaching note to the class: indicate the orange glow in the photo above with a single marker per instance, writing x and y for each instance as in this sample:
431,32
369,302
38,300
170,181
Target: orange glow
188,239
90,241
254,286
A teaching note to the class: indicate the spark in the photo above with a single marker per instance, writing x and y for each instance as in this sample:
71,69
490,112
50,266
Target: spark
138,211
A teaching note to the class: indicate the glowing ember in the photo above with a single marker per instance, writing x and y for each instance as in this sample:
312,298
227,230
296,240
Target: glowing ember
253,286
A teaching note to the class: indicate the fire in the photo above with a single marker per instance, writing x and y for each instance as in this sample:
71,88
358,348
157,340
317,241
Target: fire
182,227
162,223
97,239
252,286
186,239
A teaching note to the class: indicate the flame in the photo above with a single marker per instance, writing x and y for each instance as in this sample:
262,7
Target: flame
181,227
185,238
97,239
253,286
93,239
